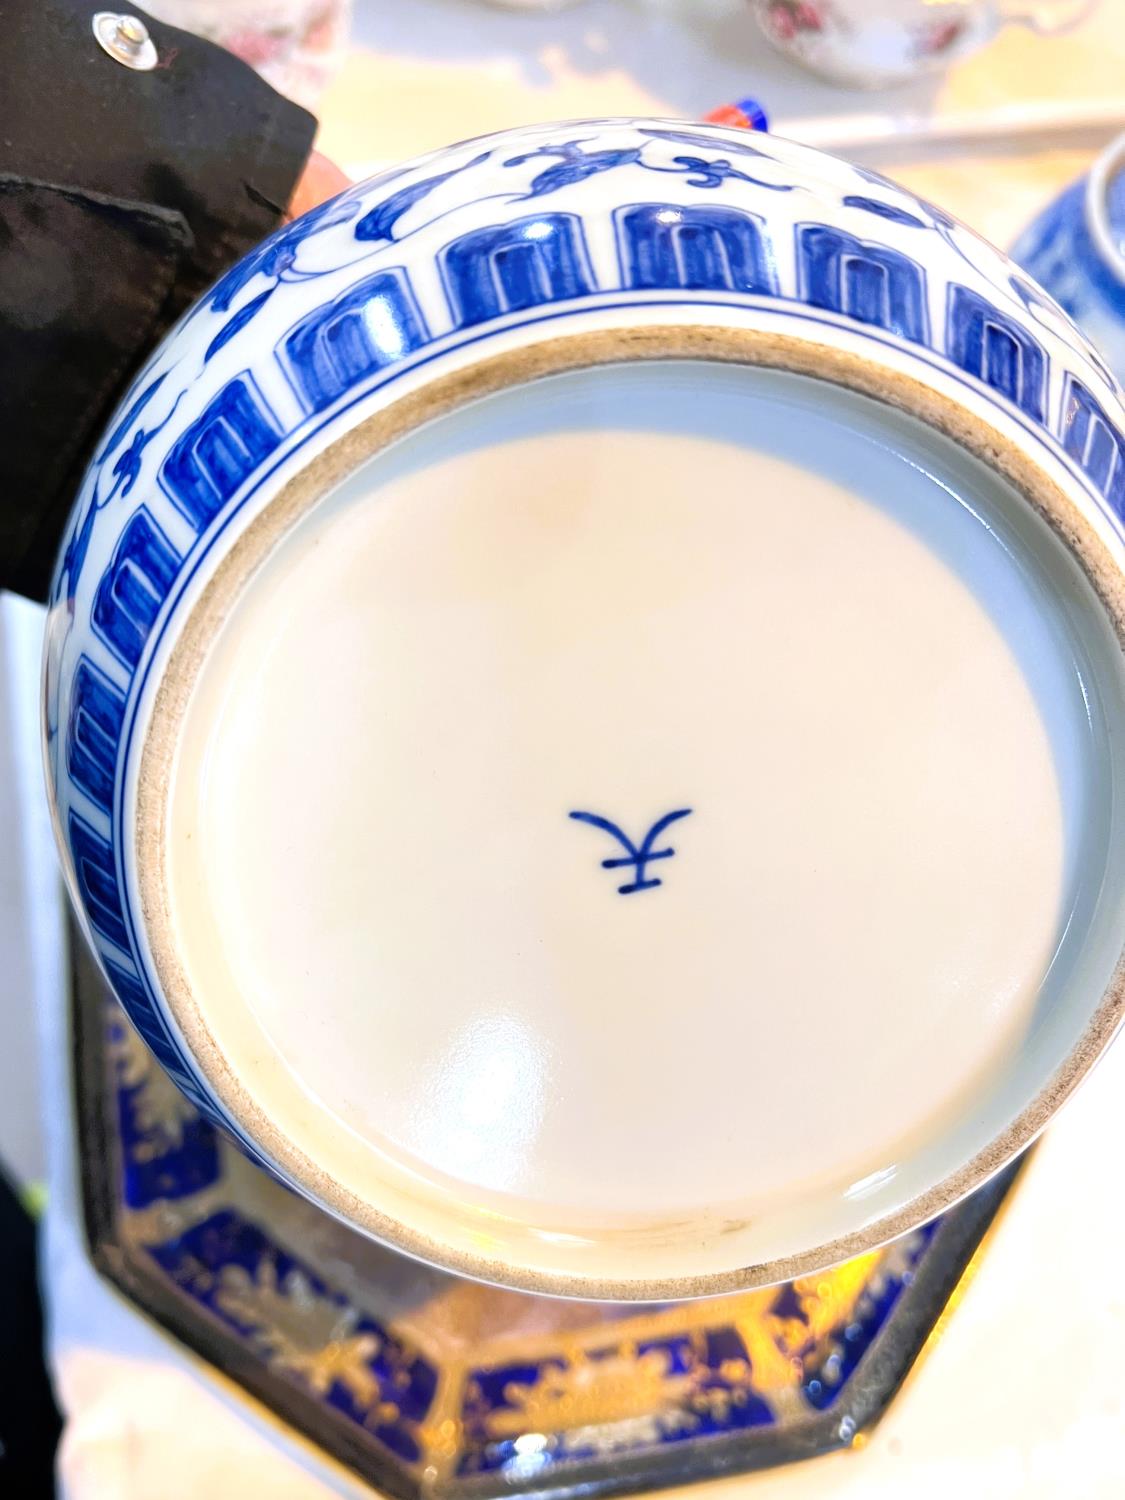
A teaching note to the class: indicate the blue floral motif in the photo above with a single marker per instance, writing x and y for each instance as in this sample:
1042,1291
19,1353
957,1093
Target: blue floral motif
241,318
884,210
701,138
575,165
378,226
278,254
275,257
935,218
712,174
130,416
126,471
962,240
128,465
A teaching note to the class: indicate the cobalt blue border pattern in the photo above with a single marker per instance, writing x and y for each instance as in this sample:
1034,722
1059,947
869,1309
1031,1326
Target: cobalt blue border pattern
419,264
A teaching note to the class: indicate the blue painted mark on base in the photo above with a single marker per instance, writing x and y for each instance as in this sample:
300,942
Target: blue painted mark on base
638,858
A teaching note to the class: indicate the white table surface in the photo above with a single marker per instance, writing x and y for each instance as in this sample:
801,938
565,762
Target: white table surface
1024,1393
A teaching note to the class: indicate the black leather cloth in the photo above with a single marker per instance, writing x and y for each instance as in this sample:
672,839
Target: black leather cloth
123,195
29,1423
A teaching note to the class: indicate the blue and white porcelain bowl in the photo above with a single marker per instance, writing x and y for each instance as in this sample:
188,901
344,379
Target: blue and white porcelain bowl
1075,249
585,709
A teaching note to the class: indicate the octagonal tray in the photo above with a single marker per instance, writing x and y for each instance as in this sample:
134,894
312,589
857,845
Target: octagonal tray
429,1385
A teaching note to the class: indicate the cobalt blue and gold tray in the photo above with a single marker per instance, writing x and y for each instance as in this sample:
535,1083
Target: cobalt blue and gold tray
429,1385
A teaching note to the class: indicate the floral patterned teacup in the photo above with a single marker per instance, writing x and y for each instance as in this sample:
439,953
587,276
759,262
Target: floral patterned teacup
296,45
873,43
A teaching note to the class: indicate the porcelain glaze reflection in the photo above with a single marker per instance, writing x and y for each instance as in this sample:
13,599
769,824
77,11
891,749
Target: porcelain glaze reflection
545,249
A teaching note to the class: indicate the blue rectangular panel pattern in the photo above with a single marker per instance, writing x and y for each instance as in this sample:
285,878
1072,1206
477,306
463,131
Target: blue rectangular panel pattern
92,731
511,267
373,324
870,283
994,347
96,875
697,247
219,451
1093,442
130,592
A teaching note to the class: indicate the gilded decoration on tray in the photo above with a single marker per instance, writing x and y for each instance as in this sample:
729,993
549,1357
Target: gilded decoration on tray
518,1391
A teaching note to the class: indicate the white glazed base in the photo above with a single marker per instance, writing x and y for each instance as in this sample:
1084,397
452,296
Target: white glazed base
753,595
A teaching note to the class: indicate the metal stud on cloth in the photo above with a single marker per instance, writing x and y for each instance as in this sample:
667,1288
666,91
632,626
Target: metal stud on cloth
126,39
